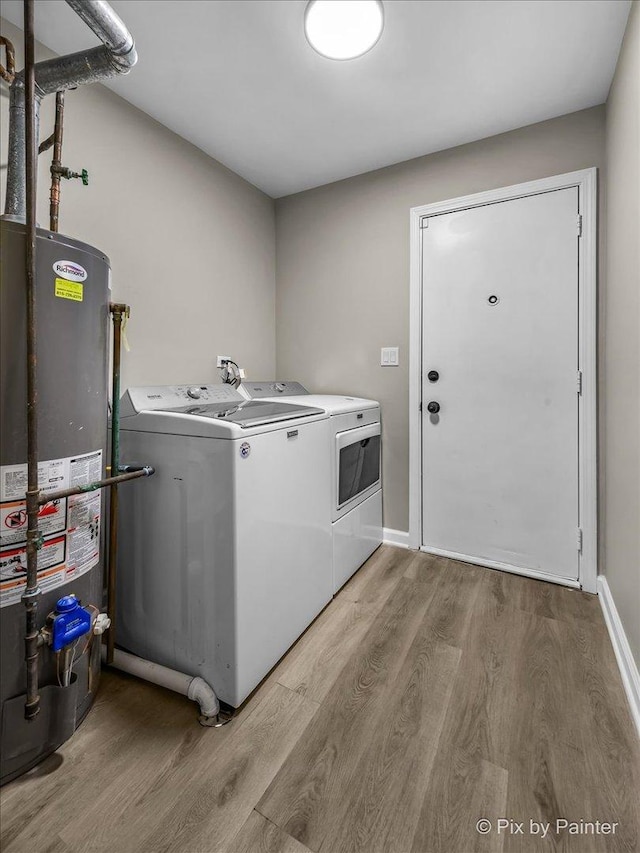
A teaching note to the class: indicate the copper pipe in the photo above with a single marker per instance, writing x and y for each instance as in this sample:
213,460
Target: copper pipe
47,497
9,72
32,591
118,313
56,163
46,144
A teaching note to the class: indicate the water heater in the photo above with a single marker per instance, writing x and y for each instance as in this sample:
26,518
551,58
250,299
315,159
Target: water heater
72,369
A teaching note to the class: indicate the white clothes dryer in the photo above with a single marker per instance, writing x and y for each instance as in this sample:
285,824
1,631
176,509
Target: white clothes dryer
354,458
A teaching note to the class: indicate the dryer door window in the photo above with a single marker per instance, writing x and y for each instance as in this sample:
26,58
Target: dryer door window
358,462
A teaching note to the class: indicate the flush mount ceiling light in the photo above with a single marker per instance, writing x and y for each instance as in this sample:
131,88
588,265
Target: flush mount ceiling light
343,29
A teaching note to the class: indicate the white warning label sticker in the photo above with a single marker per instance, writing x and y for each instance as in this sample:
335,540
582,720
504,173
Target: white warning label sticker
85,469
83,533
70,527
52,518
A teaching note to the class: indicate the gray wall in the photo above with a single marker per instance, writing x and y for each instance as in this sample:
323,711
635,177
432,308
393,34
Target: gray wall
193,251
621,371
192,245
343,267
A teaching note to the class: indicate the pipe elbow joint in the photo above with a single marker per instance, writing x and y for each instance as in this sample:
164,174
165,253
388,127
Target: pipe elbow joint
110,29
122,63
204,695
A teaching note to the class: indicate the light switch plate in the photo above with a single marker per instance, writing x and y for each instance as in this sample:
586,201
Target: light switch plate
389,357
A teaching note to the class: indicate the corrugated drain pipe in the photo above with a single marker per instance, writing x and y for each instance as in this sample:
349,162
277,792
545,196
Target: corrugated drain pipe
116,56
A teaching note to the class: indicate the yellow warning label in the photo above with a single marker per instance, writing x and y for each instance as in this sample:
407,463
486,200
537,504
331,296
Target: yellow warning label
69,289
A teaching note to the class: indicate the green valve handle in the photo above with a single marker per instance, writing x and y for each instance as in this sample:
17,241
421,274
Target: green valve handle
85,178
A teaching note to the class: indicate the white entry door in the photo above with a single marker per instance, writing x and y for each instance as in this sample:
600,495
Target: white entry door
500,362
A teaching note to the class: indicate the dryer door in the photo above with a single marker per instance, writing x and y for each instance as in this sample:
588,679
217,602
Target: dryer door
358,466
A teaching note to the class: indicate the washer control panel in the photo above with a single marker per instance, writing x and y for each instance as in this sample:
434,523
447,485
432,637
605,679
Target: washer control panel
152,397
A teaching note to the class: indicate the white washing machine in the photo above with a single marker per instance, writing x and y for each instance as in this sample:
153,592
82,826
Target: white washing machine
355,493
226,559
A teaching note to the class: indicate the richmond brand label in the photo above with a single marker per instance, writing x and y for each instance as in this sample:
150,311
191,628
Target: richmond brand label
69,270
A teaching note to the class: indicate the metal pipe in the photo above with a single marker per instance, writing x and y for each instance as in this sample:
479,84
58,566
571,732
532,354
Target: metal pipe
110,29
131,474
56,163
9,72
78,69
116,56
32,591
118,312
15,202
46,144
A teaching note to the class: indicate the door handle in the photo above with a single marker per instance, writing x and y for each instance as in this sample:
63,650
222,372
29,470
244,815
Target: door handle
433,376
433,407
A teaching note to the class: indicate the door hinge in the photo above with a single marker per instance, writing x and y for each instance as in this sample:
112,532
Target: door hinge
579,382
579,225
579,540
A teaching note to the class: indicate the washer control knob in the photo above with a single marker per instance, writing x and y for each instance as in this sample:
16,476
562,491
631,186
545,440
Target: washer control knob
194,392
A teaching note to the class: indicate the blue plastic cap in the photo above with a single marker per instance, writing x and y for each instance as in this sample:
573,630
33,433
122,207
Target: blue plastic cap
66,604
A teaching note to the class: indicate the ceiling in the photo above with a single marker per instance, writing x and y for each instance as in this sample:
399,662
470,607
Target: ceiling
238,79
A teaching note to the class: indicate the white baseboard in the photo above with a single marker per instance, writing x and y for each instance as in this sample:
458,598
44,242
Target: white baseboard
400,538
626,663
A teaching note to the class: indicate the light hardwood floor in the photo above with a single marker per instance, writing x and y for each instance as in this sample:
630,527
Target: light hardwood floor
428,695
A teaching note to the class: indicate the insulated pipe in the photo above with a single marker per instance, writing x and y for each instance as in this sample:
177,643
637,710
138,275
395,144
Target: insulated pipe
195,689
116,56
32,590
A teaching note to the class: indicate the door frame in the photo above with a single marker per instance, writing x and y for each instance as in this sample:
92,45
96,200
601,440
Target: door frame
586,182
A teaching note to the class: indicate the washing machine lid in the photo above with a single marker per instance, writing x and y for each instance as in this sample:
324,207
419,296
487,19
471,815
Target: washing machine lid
333,404
247,414
220,407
